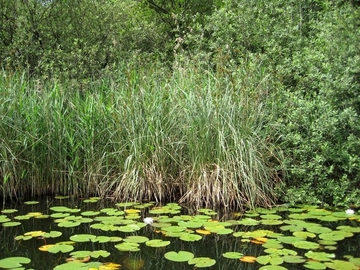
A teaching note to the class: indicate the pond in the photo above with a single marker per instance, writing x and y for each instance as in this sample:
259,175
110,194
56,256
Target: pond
65,233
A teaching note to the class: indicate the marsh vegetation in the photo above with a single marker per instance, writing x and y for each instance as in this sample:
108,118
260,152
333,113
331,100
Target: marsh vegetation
234,104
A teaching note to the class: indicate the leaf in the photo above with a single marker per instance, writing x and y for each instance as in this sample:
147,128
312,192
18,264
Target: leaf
306,245
181,256
201,262
248,259
157,243
13,262
190,237
233,255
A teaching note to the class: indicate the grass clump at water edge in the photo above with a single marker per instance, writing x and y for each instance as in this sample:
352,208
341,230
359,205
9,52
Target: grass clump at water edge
194,136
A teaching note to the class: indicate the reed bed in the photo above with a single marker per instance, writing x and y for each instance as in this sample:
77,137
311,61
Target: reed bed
194,135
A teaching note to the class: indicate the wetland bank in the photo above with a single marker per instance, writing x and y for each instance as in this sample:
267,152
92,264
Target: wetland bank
223,105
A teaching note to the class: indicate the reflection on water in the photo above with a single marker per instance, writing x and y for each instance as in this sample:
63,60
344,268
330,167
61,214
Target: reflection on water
213,245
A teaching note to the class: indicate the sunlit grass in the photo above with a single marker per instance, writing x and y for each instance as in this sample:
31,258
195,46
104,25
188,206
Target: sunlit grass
192,135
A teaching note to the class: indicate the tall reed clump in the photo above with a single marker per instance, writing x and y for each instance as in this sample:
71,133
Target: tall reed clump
193,134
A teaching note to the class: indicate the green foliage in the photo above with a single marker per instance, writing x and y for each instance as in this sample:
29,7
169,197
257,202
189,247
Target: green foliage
192,91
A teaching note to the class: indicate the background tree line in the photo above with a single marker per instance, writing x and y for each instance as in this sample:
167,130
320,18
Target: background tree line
308,49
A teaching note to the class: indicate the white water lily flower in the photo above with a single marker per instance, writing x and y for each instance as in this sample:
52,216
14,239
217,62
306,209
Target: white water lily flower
349,211
148,220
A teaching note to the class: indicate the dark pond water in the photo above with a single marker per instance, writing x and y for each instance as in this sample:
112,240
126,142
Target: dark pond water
226,233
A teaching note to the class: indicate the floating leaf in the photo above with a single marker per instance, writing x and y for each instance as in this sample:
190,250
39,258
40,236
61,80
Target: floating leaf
136,239
233,255
190,237
157,243
272,267
181,256
90,213
13,262
248,222
11,224
331,236
59,248
319,256
263,259
68,224
205,232
128,246
82,237
248,259
201,262
341,265
31,202
9,211
306,245
293,259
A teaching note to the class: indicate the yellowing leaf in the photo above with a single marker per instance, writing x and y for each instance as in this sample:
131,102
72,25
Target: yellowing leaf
35,233
132,211
203,231
45,247
248,259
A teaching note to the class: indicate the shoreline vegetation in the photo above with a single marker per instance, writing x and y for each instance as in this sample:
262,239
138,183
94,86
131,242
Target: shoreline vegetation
227,103
187,137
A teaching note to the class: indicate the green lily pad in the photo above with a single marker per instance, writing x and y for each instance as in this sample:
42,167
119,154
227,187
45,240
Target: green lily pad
341,265
90,213
181,256
128,246
233,255
13,262
31,202
72,266
9,211
22,217
68,224
349,229
263,259
293,259
157,243
271,216
4,218
289,239
190,224
304,235
82,237
320,256
314,265
11,224
129,228
60,248
306,245
318,229
331,236
190,237
248,222
272,267
271,222
201,262
136,239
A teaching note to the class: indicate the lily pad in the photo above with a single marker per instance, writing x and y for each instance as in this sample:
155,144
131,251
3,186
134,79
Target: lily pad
13,262
128,246
181,256
314,265
233,255
201,262
272,267
157,243
136,239
11,224
190,237
306,245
